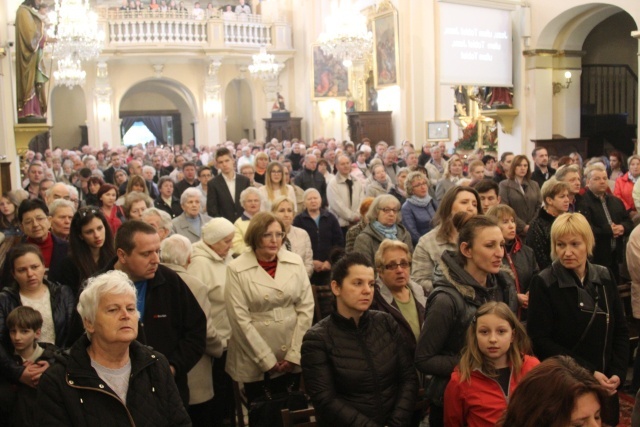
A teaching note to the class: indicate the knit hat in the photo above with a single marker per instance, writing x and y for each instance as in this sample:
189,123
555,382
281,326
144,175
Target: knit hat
216,230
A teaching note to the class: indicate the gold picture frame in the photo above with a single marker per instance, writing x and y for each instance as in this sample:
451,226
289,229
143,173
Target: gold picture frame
438,130
386,56
329,76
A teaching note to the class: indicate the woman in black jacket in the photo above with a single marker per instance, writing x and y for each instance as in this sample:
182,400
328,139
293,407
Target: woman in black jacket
108,378
356,367
469,277
575,309
324,232
56,304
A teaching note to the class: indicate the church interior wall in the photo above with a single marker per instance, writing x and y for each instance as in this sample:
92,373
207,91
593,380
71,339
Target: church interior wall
68,113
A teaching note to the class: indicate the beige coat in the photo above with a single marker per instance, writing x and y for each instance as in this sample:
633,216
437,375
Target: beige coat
238,245
301,245
199,378
268,316
207,266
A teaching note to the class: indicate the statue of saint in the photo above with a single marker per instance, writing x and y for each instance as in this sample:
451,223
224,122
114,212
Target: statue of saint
279,104
30,71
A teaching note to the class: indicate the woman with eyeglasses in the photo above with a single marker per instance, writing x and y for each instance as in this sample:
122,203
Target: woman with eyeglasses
384,223
270,307
419,208
91,247
469,277
275,186
324,231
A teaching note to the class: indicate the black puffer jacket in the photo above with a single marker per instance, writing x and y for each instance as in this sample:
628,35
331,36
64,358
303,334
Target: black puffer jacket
446,319
72,394
539,238
62,309
359,375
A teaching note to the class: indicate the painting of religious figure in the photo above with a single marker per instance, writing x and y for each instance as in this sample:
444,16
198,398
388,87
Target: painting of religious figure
330,76
385,52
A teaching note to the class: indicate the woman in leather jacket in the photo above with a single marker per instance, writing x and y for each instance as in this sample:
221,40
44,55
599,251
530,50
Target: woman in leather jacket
575,309
355,363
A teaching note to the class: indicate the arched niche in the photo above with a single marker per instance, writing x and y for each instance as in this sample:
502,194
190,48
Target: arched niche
165,97
68,115
238,107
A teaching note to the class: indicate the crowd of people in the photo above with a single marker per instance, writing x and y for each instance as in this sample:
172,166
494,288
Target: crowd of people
239,11
169,273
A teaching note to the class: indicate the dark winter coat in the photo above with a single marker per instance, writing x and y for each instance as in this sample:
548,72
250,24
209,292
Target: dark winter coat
323,238
539,238
521,262
449,313
359,375
63,305
72,394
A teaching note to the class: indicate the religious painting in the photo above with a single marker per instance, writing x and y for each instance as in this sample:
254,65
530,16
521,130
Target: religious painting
330,78
385,49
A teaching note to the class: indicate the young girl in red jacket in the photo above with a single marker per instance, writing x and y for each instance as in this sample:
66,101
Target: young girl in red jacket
492,364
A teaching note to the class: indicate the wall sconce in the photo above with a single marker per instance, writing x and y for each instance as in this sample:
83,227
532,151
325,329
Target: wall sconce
557,87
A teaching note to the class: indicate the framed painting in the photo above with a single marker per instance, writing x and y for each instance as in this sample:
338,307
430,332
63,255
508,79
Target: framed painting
330,78
438,131
385,49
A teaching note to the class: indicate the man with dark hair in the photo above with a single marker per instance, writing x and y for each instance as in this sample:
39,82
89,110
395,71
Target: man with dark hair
110,172
223,194
35,173
542,171
489,191
171,320
189,180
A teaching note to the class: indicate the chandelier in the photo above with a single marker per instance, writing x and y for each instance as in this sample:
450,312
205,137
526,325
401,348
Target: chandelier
264,66
346,37
69,73
74,27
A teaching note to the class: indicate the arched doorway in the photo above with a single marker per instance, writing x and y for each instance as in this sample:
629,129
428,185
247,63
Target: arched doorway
159,109
238,103
69,117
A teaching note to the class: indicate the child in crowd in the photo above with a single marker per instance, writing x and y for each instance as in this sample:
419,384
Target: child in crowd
493,362
24,325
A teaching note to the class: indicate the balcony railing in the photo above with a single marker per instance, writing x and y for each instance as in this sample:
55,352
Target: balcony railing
214,30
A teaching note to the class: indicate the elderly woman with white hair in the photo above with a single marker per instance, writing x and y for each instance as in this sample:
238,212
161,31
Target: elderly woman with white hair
383,223
135,203
324,232
189,223
160,220
61,213
250,200
209,261
107,377
175,253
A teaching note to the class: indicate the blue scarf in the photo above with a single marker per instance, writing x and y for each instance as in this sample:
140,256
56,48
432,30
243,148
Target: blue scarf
423,202
387,232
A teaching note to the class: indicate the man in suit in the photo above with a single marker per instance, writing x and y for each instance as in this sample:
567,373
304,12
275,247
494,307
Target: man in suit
608,218
190,179
116,164
542,171
223,194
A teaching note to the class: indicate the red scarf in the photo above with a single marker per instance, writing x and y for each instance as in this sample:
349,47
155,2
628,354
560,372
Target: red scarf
269,267
46,247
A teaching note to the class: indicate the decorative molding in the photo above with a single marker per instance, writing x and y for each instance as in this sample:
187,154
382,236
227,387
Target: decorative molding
504,116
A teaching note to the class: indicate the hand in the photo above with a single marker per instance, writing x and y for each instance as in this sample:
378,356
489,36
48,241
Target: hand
317,266
32,373
173,370
523,300
609,384
326,266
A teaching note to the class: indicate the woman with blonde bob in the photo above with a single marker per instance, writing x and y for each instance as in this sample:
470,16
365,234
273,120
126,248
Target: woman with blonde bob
575,309
495,359
297,240
557,393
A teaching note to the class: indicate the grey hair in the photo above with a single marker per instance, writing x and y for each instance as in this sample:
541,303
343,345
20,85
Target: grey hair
49,192
73,191
410,178
594,167
175,249
148,168
309,191
164,217
60,203
135,196
563,171
383,199
112,282
192,192
248,191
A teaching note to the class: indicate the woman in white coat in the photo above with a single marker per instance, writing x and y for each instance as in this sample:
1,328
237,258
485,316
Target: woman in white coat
209,260
270,307
297,240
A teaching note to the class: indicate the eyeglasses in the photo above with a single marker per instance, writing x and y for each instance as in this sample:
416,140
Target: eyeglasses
86,211
273,236
31,222
392,266
389,210
422,184
278,172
